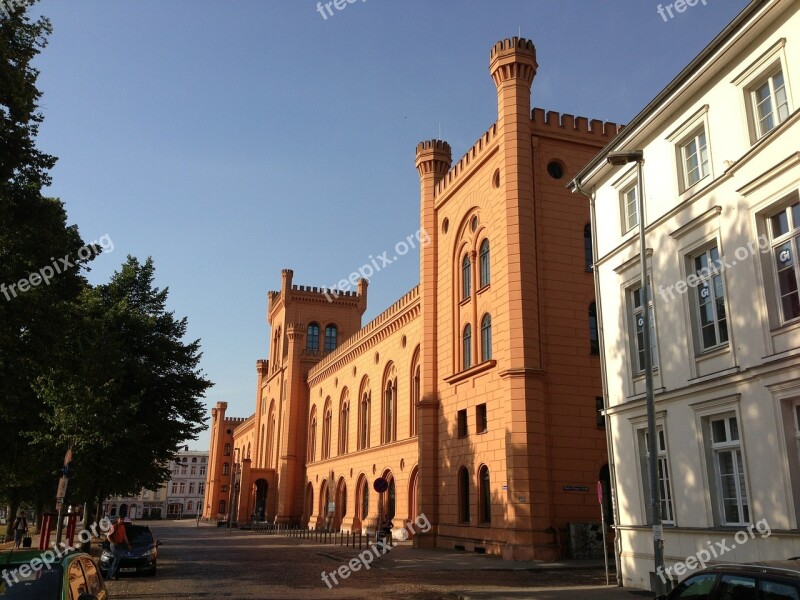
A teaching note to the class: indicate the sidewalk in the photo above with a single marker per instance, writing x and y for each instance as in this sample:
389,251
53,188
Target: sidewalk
561,593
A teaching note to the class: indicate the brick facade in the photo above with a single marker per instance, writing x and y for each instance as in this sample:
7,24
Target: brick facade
525,461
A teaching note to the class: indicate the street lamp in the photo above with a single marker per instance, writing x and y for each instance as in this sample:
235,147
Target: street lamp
618,159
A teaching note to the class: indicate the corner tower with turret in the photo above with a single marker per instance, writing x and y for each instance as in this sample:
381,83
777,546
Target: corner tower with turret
507,414
306,324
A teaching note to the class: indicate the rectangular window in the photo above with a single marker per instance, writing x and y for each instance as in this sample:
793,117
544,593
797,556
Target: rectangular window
729,481
203,470
709,296
223,488
630,208
770,103
201,488
664,487
601,418
638,324
785,233
174,488
462,423
191,488
481,424
183,488
193,470
694,155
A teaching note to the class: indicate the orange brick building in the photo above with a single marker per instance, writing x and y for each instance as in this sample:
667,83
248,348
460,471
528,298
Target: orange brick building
475,394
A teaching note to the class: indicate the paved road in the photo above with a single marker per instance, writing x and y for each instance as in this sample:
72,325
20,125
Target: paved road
208,562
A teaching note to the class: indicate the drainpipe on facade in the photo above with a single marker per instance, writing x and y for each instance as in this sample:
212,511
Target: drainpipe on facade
604,378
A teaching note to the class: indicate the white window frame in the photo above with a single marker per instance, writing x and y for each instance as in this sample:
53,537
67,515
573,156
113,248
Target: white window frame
762,71
710,281
636,314
629,203
779,107
702,154
778,246
736,447
664,474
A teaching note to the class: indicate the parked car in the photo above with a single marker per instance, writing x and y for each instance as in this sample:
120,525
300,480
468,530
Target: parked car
74,576
142,556
773,580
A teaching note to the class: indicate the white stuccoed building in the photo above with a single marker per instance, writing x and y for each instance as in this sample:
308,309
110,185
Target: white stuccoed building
721,147
187,485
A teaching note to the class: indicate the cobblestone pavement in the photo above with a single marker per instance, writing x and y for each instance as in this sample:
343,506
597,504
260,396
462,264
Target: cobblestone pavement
210,562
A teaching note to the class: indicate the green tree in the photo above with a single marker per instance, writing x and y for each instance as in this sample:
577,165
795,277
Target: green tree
33,234
130,395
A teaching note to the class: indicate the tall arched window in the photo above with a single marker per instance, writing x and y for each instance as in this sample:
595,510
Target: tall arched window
463,495
330,338
587,247
363,422
312,437
262,444
466,277
485,495
312,339
364,500
484,263
226,469
594,339
327,421
466,344
415,393
270,437
344,423
486,337
388,433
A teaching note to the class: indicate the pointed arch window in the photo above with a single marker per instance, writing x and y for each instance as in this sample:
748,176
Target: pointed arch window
587,247
344,425
466,277
326,431
312,338
594,338
389,410
312,439
415,393
466,343
330,338
486,337
485,496
363,421
485,273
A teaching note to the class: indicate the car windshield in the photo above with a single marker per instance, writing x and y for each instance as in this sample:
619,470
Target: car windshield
139,536
40,585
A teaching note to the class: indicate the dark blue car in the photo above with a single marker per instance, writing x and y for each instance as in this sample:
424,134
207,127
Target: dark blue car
142,556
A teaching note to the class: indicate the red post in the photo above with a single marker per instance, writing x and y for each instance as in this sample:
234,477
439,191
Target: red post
44,533
72,521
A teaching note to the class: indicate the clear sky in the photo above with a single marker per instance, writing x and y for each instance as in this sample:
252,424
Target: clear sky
231,139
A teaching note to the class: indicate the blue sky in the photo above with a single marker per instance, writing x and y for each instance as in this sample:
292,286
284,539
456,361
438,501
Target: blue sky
229,140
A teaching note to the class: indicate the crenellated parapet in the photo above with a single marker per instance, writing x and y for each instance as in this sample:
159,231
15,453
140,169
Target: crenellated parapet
472,156
551,121
513,59
389,321
433,157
